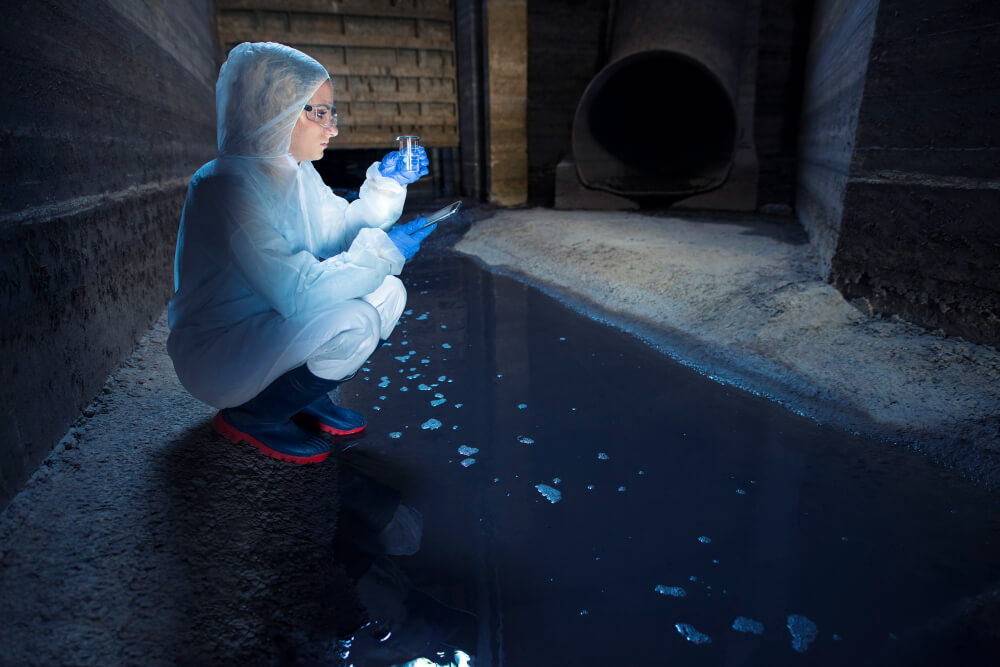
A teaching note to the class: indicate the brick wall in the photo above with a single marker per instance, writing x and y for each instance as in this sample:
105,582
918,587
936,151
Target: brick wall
392,61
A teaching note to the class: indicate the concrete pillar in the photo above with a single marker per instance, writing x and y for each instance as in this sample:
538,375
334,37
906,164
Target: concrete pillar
835,79
898,183
507,101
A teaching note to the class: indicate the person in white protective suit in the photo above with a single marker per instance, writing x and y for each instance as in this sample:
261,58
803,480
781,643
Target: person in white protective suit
283,289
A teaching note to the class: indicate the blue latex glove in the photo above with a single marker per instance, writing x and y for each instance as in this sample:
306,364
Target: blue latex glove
394,166
408,237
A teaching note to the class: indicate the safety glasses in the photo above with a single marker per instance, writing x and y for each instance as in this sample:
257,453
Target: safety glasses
322,114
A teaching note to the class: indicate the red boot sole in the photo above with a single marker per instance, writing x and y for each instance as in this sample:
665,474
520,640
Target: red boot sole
329,429
239,437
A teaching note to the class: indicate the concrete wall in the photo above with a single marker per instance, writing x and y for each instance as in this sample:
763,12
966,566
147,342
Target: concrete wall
783,42
109,109
835,77
567,43
919,235
898,183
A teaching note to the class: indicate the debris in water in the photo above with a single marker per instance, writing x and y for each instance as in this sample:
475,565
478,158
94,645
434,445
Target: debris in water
672,591
741,492
603,456
431,424
584,612
744,624
553,495
803,632
691,634
395,434
465,450
524,440
705,540
468,462
590,487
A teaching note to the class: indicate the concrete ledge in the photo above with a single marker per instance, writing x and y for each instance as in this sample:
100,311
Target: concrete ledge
740,298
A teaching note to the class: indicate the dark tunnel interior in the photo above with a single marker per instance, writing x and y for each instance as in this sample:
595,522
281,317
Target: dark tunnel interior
664,118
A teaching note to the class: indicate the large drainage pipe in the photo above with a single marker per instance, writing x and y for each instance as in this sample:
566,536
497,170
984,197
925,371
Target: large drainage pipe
660,118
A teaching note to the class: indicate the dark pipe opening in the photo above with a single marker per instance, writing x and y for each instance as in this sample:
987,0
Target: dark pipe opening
655,123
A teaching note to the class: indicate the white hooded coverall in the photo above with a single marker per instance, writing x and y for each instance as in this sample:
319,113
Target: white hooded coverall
252,300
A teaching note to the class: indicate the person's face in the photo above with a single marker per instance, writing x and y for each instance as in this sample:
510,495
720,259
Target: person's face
309,137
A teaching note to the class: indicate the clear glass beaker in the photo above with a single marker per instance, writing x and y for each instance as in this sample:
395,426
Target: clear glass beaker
408,144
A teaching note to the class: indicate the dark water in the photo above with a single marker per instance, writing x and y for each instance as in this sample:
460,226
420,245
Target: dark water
666,479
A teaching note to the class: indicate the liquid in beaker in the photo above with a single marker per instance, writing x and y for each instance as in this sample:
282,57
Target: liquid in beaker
408,144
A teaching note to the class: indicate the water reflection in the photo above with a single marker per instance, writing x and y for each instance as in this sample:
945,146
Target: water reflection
401,625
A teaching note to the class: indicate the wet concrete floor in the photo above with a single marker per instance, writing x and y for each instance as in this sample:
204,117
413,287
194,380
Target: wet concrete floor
595,503
683,507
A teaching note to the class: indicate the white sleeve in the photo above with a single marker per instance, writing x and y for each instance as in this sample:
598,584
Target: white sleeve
380,202
295,281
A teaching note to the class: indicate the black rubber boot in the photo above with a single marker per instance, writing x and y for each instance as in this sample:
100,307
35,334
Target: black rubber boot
265,421
335,419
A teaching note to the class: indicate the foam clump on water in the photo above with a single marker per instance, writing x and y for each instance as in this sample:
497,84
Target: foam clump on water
468,462
704,539
603,456
803,632
744,624
430,425
672,591
553,495
423,387
423,316
692,635
438,401
465,450
525,440
395,434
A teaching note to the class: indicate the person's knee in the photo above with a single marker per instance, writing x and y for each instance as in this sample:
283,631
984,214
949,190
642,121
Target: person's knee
346,351
367,326
391,303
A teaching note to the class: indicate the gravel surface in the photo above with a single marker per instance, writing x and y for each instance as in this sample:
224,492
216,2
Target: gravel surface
144,538
740,298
